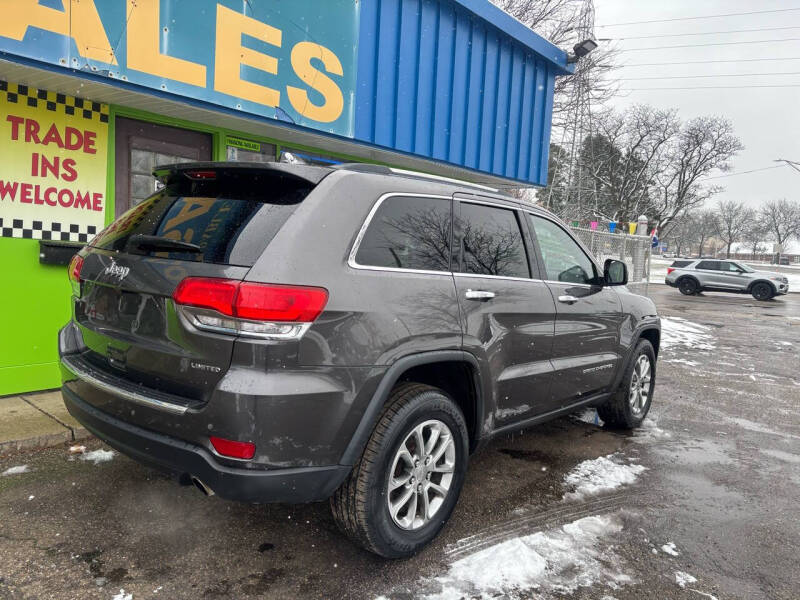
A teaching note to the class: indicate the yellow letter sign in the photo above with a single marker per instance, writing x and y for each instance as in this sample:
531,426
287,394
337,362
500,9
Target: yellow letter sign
332,108
144,53
231,55
79,21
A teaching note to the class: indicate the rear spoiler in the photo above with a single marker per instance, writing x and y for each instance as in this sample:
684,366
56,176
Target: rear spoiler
307,173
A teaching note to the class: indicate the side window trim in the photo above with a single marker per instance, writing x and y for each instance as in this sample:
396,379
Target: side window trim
534,257
351,259
540,257
458,251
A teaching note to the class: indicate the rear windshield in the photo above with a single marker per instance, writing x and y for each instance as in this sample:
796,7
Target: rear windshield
231,218
681,263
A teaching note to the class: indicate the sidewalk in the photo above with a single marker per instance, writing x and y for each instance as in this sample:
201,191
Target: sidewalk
36,420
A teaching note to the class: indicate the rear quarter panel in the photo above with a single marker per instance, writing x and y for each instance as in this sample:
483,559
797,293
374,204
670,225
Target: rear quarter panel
373,317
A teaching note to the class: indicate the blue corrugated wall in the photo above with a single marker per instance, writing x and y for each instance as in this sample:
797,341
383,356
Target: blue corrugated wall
436,80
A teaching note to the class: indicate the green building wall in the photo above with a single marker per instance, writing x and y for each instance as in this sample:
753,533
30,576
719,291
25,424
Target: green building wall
35,298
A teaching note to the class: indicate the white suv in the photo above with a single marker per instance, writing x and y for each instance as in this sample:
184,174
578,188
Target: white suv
713,275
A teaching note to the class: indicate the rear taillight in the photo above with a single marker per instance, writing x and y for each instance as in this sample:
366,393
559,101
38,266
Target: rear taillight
670,270
233,449
201,292
201,174
252,309
74,269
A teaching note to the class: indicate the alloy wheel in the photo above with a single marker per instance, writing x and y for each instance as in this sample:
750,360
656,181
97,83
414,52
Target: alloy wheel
421,474
761,292
639,392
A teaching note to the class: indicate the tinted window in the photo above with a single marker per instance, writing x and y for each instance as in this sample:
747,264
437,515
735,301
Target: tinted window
408,233
491,242
563,258
730,267
708,265
231,218
679,264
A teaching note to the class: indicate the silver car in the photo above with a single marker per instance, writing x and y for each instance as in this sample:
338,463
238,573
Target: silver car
714,275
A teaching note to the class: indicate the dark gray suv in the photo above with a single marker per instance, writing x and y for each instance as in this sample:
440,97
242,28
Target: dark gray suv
287,333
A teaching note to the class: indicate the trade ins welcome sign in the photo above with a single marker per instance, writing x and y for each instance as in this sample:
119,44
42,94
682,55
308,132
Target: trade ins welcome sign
53,157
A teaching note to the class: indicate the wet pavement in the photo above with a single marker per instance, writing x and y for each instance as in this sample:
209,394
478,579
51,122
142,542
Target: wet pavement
721,449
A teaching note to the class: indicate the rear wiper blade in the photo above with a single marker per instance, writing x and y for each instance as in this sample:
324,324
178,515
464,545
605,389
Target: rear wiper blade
154,242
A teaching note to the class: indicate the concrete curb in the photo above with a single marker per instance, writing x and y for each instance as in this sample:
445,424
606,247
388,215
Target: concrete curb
36,420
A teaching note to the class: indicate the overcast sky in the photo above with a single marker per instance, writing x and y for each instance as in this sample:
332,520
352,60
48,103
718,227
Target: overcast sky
767,119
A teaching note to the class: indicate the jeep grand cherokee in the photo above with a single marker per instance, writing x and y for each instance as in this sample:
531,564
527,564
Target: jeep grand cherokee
287,333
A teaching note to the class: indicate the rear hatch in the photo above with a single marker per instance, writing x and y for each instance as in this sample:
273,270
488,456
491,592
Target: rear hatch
209,220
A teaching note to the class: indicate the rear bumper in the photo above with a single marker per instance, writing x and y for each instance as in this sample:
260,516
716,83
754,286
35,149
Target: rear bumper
670,283
307,484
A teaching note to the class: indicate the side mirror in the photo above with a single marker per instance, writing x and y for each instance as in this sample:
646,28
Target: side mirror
615,272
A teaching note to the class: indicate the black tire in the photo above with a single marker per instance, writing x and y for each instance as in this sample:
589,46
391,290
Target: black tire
618,412
688,286
762,291
360,506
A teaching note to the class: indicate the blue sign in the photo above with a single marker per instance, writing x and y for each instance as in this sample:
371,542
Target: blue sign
289,60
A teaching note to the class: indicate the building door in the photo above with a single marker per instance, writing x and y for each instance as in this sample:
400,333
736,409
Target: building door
140,147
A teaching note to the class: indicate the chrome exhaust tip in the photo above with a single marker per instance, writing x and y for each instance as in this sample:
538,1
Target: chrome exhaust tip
202,487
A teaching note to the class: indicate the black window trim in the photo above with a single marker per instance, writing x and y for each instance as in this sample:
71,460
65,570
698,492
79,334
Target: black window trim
707,260
581,247
523,231
351,260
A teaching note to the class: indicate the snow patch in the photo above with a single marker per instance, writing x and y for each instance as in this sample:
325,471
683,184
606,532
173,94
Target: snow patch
759,428
683,361
678,332
15,471
682,578
98,456
780,455
649,431
122,596
557,561
603,474
670,549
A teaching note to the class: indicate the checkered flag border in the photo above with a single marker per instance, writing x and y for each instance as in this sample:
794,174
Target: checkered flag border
46,230
54,101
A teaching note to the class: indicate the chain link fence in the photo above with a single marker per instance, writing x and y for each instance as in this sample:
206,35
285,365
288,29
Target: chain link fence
633,250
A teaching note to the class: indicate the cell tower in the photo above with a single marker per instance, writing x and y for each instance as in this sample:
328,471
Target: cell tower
575,125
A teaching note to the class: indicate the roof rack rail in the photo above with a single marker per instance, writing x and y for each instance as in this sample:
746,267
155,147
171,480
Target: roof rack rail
363,168
383,170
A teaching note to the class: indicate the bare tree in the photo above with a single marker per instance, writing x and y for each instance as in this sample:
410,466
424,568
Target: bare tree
704,145
677,234
781,218
703,225
755,236
732,220
624,156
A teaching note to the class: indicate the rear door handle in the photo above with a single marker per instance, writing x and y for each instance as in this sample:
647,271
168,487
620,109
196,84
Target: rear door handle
567,299
478,295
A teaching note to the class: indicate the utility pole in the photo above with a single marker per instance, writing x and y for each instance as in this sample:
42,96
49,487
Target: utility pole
794,164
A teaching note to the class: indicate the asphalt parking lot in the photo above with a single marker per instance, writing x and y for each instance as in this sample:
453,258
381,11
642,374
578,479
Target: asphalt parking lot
700,503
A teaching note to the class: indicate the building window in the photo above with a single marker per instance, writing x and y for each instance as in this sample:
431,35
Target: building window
243,150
